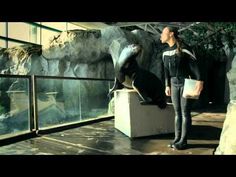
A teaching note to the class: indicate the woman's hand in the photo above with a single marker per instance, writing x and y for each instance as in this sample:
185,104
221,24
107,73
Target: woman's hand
198,87
167,91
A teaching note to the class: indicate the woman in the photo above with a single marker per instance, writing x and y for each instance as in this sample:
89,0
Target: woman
179,63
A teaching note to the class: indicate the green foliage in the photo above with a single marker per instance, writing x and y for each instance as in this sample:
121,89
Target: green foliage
208,32
224,26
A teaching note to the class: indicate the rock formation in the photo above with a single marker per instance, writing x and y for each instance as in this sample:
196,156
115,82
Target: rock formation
227,144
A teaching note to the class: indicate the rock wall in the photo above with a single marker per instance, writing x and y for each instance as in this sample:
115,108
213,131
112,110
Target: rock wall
227,144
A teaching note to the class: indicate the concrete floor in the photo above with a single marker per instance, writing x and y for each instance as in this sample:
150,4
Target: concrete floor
103,139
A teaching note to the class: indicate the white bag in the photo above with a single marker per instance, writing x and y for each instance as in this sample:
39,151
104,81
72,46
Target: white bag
189,89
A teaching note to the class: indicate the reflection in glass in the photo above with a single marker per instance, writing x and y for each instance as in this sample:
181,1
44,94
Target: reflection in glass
14,105
93,98
61,101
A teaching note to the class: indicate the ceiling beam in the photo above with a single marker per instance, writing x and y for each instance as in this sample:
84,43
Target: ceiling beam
189,26
124,24
146,28
157,31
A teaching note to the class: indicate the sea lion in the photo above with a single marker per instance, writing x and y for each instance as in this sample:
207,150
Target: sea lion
128,74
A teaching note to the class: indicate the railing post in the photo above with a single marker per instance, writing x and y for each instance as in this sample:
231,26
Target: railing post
34,119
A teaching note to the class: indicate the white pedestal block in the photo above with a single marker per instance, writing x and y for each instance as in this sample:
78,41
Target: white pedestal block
136,120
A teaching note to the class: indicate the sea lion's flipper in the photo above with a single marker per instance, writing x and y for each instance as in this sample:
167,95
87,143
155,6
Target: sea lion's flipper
117,85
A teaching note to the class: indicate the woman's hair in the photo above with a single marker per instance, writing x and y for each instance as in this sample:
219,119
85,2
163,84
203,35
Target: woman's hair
178,40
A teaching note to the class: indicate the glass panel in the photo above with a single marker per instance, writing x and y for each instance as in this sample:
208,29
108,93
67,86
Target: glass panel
2,28
94,99
56,25
71,26
18,30
3,43
66,100
47,35
14,105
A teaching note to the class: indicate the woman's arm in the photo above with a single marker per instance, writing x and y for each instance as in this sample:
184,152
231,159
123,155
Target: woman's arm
167,78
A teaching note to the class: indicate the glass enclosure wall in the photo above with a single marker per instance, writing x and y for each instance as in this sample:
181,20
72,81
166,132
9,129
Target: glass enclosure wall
14,105
57,101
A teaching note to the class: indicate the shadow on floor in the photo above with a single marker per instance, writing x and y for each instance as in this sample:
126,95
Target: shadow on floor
168,136
209,146
204,132
213,108
198,132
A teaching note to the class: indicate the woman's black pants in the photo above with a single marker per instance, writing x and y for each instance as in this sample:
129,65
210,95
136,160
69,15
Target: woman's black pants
182,107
